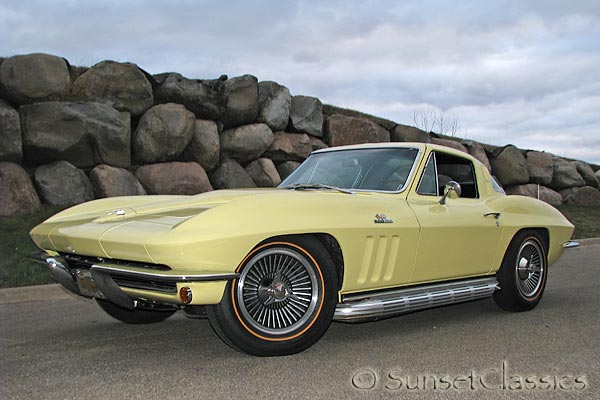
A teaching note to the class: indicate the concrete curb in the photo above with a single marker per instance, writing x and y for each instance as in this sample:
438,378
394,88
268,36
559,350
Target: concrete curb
34,293
56,292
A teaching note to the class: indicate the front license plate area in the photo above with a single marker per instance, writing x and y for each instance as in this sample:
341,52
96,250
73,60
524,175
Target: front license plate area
86,284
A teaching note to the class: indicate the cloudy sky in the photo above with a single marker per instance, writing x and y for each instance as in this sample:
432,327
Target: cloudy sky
520,72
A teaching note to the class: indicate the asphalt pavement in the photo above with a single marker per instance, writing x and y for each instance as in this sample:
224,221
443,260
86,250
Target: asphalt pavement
55,346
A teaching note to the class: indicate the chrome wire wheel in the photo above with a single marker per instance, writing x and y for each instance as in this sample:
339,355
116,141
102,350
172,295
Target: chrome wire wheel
278,291
530,268
283,300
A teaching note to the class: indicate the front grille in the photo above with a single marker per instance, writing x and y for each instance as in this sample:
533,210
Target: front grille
145,284
85,262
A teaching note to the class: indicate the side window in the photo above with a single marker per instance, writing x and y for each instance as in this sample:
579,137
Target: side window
442,168
461,170
428,185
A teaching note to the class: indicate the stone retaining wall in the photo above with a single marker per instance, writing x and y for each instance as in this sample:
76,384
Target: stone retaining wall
71,134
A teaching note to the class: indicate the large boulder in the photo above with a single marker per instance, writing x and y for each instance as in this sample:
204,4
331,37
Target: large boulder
565,175
274,105
286,168
289,147
263,173
407,133
34,77
120,85
585,196
85,134
509,166
183,178
163,133
231,175
205,98
62,184
476,150
329,110
540,167
587,173
204,146
306,115
490,148
242,101
246,143
17,194
110,181
533,190
341,130
11,145
450,143
316,143
76,72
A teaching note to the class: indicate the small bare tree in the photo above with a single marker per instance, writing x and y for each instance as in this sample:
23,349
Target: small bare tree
432,119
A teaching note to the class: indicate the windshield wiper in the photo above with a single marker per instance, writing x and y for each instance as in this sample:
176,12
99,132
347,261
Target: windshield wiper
304,186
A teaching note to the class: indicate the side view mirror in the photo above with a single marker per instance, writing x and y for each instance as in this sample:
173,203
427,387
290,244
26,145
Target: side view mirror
451,190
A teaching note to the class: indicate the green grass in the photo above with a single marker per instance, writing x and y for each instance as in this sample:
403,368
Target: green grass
15,244
585,219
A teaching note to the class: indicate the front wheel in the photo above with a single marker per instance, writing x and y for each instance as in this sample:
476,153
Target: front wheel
134,317
282,302
522,276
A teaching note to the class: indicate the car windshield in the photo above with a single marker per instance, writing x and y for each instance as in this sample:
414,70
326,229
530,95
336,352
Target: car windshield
360,169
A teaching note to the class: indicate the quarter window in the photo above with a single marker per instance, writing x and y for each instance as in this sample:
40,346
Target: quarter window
428,185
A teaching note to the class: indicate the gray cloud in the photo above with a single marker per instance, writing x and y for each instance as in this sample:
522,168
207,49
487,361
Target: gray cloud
511,71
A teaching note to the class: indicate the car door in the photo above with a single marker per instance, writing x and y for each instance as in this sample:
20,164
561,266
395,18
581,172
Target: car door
459,238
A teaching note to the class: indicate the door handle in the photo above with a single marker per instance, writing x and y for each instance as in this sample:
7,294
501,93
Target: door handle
492,214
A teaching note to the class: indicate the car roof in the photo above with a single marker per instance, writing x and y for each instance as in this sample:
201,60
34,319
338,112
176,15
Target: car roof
384,145
399,145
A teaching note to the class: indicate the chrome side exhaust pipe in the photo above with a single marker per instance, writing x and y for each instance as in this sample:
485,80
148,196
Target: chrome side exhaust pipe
372,306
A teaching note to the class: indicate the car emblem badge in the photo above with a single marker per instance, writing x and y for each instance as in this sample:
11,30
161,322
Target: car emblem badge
117,212
382,219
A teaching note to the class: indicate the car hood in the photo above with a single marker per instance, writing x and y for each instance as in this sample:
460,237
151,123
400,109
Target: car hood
119,227
161,229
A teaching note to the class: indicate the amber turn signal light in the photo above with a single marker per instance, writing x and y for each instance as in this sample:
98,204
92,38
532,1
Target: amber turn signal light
185,294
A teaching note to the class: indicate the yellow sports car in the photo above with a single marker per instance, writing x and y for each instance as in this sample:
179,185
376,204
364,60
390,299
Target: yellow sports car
356,233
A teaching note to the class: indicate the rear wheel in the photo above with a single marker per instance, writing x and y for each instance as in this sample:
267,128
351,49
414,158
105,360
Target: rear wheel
522,276
282,302
134,317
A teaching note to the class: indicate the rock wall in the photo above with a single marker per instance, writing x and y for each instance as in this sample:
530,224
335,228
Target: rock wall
71,134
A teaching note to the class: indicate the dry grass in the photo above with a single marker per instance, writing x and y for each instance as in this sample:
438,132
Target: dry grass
585,219
15,246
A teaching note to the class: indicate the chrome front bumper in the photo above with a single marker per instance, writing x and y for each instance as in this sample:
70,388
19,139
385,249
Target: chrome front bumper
105,280
571,244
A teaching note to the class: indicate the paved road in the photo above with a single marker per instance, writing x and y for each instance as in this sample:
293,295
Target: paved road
63,349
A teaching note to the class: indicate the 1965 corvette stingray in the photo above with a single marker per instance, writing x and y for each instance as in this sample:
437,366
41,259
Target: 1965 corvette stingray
356,233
